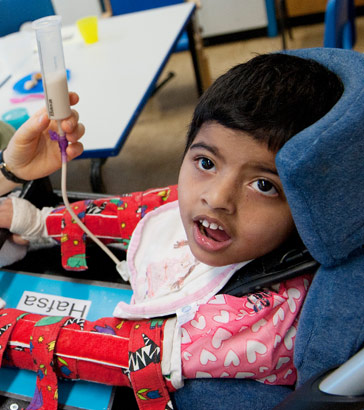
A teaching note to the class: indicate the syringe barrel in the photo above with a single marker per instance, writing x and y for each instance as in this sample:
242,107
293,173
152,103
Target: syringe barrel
54,75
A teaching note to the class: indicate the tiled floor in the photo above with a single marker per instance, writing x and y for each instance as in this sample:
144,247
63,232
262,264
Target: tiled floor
152,154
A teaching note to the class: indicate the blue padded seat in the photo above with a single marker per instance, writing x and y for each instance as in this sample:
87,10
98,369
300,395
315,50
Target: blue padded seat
322,167
322,171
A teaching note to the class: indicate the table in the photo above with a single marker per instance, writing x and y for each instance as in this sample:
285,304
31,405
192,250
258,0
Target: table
114,77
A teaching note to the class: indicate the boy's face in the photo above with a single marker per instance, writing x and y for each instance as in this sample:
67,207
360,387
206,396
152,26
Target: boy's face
231,199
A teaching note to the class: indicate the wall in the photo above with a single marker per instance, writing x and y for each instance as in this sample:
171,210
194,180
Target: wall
218,17
72,10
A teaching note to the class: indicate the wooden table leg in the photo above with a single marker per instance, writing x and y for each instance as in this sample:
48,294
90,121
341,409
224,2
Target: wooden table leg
199,59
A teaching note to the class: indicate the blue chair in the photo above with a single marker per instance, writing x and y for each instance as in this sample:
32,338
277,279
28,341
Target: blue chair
340,29
13,13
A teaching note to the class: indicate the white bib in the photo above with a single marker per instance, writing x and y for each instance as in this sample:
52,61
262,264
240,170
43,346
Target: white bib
164,274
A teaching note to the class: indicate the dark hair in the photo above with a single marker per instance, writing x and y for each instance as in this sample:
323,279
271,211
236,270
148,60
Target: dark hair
272,97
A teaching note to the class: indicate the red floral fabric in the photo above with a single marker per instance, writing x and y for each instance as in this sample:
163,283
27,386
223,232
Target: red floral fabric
69,347
112,220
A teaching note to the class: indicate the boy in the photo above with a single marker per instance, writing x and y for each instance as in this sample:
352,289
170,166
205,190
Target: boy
232,209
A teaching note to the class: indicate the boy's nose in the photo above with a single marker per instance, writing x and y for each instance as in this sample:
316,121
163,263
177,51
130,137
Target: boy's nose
220,195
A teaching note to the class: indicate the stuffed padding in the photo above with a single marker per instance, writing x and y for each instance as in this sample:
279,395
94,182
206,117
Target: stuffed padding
322,167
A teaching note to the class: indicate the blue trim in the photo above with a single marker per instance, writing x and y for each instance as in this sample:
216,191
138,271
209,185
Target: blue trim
183,43
130,6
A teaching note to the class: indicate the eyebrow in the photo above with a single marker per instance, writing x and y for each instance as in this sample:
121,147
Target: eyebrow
264,168
209,148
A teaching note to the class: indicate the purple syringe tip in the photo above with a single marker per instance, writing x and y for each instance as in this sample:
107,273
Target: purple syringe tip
62,142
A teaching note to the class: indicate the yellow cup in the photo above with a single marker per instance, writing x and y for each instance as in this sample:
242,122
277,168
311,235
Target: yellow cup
88,29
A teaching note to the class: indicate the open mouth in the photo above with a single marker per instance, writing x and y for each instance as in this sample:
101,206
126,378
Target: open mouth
210,236
213,231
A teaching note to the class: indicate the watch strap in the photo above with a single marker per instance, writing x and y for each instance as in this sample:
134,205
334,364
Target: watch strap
7,173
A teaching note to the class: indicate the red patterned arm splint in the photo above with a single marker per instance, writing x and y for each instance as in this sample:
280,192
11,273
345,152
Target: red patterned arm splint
70,348
112,220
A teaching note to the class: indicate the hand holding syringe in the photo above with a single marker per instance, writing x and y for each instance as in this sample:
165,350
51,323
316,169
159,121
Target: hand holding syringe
54,76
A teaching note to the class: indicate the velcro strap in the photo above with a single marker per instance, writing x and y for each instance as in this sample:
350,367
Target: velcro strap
8,319
42,346
145,354
73,239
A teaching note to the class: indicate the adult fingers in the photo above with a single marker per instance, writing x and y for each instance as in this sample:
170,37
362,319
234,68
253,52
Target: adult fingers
69,123
74,98
77,133
74,150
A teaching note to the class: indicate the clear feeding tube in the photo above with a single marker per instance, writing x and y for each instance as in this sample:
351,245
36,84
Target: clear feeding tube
54,77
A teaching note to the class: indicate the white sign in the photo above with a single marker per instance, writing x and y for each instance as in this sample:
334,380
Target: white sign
52,305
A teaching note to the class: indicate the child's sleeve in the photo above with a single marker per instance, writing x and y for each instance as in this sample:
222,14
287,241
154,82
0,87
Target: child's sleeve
112,220
245,337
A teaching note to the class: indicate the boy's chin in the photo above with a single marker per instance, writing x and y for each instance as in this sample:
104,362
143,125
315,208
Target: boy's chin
212,260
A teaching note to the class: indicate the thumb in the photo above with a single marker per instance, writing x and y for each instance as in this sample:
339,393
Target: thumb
33,128
19,240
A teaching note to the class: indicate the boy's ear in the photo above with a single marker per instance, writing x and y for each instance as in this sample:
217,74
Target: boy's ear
322,169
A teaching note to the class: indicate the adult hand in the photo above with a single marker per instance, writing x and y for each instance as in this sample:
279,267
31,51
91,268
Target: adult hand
31,154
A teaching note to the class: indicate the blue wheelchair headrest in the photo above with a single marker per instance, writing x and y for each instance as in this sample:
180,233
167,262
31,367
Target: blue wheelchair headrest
322,167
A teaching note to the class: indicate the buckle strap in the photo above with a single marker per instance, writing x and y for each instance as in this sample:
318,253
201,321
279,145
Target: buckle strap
42,346
145,353
8,319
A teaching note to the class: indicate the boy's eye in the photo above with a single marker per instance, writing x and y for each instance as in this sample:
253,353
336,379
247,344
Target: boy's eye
205,163
265,187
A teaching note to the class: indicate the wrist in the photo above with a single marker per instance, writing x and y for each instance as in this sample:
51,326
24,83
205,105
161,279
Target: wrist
7,173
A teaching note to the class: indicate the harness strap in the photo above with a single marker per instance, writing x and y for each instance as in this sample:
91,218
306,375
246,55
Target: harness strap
42,347
8,319
145,353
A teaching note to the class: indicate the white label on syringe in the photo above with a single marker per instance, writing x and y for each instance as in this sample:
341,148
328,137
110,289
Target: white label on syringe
58,103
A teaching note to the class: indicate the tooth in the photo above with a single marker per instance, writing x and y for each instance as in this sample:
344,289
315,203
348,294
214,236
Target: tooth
221,228
214,226
205,223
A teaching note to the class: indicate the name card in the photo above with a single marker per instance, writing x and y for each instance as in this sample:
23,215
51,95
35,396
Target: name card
52,305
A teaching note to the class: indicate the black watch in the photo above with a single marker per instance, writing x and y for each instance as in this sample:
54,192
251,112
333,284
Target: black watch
7,173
